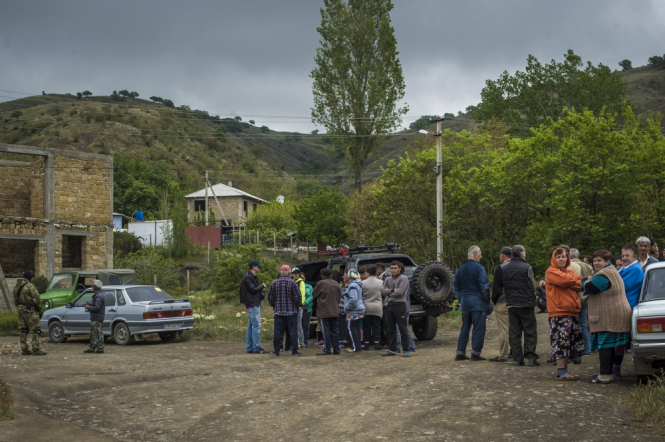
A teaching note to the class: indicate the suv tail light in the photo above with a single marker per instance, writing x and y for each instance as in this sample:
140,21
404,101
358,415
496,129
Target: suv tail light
650,325
167,314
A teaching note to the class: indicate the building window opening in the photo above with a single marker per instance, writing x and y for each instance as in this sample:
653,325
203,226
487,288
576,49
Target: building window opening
199,206
72,252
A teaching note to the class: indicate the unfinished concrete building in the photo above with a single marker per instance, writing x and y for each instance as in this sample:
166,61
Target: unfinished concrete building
56,211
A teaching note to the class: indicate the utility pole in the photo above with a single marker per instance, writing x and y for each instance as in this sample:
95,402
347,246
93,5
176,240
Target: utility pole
206,205
438,170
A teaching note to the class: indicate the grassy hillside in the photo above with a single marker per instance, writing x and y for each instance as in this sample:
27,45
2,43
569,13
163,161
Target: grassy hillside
264,163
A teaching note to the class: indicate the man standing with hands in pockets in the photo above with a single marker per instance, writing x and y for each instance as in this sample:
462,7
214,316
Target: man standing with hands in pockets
251,294
97,311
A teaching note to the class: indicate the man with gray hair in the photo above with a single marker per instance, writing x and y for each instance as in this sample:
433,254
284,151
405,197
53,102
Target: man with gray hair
472,288
97,310
519,285
644,252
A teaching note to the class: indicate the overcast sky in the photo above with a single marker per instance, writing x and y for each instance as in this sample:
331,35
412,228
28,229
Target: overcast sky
253,58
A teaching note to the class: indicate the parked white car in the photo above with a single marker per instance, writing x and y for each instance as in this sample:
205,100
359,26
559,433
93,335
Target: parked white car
648,324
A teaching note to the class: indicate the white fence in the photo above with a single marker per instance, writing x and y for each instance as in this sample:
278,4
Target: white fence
151,233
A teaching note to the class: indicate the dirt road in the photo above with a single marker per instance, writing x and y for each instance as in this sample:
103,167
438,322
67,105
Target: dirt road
198,391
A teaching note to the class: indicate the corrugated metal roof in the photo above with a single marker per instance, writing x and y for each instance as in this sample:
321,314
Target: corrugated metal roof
222,190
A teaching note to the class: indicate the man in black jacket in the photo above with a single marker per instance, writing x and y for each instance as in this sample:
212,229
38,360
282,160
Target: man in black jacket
518,284
251,294
97,312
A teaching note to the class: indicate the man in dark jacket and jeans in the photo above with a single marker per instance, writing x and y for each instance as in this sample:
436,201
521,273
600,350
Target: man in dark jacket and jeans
327,293
251,294
472,288
97,312
518,284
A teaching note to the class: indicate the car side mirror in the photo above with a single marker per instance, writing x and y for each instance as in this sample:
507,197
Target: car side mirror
69,305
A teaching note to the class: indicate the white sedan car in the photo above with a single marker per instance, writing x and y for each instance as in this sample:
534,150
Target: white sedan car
648,324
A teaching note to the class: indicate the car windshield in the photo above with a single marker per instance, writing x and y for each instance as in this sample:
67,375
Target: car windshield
141,294
654,288
62,282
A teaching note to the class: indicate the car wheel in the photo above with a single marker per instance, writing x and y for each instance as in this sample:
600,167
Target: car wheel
56,332
167,336
121,334
425,329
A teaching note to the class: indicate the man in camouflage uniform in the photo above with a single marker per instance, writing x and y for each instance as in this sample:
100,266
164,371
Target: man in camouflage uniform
97,309
28,303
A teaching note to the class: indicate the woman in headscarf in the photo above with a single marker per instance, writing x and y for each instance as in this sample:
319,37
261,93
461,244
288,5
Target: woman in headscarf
631,273
354,308
563,308
609,315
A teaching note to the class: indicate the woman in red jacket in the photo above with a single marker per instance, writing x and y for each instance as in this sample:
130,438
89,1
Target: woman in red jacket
563,308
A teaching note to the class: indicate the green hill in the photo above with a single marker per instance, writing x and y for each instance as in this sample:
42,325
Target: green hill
260,161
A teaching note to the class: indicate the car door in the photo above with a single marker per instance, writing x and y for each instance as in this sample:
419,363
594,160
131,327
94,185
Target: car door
111,310
78,319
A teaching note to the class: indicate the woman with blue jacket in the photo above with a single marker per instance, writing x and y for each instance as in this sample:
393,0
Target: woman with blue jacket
354,307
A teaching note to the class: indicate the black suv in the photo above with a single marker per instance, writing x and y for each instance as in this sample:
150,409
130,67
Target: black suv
431,283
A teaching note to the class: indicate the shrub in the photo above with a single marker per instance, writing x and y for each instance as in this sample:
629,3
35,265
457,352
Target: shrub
8,323
229,270
125,243
40,283
6,401
147,264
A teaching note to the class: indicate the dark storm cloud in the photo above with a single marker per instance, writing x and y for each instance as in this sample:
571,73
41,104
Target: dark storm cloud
254,58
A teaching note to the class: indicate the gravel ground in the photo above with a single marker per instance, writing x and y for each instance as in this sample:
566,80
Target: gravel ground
198,391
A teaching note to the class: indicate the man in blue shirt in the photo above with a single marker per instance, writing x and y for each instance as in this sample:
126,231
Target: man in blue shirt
472,288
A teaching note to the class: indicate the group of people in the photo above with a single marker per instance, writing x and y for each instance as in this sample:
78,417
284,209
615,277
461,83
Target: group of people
362,309
589,304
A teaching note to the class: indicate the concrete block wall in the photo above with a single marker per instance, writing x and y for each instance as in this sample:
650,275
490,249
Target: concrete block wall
17,255
37,188
232,206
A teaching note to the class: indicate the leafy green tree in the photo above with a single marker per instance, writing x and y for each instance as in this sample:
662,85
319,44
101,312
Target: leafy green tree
273,217
358,78
168,103
626,65
449,116
315,132
148,263
656,61
220,134
184,107
125,243
179,224
87,93
265,129
79,95
124,93
527,99
16,114
322,216
238,119
157,99
252,122
422,122
134,94
470,109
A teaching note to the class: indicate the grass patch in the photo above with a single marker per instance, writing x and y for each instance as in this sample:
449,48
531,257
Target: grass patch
6,401
223,320
452,319
8,323
648,402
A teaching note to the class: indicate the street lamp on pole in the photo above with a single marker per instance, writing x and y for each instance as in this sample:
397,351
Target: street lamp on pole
439,188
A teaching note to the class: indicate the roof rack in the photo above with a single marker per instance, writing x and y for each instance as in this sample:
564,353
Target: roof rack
389,247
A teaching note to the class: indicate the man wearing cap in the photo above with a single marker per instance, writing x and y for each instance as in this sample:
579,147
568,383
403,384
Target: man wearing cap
97,310
327,293
285,298
251,294
28,303
500,309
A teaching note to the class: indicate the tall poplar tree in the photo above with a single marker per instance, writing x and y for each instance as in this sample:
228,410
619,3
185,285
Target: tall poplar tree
358,78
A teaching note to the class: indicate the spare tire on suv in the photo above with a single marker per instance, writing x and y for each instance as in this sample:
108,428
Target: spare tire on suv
432,284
